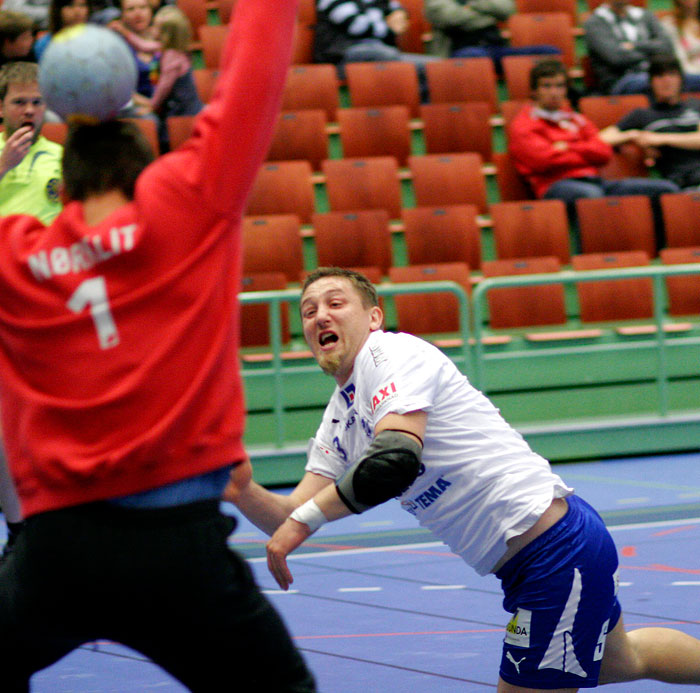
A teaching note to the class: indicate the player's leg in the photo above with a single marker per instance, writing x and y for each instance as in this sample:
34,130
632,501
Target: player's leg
662,654
203,618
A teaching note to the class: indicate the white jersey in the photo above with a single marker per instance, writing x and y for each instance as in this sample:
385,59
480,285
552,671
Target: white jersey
479,483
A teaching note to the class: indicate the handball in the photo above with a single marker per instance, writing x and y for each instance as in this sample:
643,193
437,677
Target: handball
87,70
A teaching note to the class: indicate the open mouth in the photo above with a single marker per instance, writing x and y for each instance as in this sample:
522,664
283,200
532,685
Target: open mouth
327,338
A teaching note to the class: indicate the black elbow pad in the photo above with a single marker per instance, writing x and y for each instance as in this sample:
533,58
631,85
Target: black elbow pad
386,470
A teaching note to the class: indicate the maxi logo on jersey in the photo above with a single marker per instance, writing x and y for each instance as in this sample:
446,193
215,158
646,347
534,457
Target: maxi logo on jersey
348,394
428,497
383,393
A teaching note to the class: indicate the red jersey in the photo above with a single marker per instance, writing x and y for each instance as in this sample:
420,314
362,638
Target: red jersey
531,138
119,342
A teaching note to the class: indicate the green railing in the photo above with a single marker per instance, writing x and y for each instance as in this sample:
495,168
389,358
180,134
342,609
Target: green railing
656,273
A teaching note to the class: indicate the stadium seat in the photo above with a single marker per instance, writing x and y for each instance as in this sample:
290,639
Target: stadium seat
511,185
462,79
540,6
224,9
149,129
534,228
369,183
516,72
302,50
300,135
353,239
204,82
312,87
255,318
628,161
615,224
525,306
550,28
430,313
283,187
196,13
56,132
681,215
511,108
212,38
442,234
448,179
614,299
683,291
413,40
383,84
273,244
375,131
179,129
457,127
609,110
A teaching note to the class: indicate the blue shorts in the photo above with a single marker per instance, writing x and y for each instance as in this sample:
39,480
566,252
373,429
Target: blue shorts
562,591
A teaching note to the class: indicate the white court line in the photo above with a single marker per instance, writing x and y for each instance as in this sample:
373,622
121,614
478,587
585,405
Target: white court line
630,501
359,589
437,544
443,587
280,591
686,583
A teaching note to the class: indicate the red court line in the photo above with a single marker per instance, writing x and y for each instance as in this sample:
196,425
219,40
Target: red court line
659,568
664,532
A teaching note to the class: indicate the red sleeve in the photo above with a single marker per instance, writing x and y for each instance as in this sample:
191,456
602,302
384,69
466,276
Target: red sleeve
593,150
533,151
216,169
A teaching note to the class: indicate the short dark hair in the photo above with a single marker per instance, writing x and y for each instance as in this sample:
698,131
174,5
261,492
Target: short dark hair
99,157
364,287
550,67
663,63
18,72
55,16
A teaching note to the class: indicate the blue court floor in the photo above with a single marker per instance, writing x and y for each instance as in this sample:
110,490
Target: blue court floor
379,606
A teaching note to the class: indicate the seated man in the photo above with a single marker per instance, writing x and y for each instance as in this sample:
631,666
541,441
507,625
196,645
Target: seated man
469,28
669,130
560,151
620,39
350,31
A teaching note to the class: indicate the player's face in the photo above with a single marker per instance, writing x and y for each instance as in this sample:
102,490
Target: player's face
23,105
136,15
666,88
74,13
336,324
551,92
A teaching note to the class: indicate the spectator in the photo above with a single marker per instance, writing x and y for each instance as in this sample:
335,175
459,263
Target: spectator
30,175
136,27
62,14
668,130
363,30
560,151
683,26
469,28
620,39
16,38
37,10
175,92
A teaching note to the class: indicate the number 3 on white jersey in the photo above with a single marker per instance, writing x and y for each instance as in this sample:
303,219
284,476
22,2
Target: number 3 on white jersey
93,293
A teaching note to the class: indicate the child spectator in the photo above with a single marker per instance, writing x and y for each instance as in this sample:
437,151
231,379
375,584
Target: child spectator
62,14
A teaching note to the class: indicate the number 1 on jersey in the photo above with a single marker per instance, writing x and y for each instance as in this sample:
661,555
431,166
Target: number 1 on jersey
93,293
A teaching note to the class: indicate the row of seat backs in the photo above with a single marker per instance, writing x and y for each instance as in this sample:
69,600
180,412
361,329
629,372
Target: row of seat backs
599,301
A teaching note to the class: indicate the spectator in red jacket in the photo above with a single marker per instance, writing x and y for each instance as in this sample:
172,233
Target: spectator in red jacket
560,151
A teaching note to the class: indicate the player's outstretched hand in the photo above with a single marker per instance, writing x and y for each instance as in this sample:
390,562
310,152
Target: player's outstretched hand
288,537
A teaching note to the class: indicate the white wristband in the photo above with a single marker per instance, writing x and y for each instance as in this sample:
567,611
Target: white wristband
309,514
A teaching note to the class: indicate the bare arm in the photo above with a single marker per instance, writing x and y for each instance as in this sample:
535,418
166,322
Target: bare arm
681,140
615,137
265,509
15,149
291,533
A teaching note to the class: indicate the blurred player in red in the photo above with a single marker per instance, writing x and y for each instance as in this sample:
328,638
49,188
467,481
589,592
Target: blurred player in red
122,401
